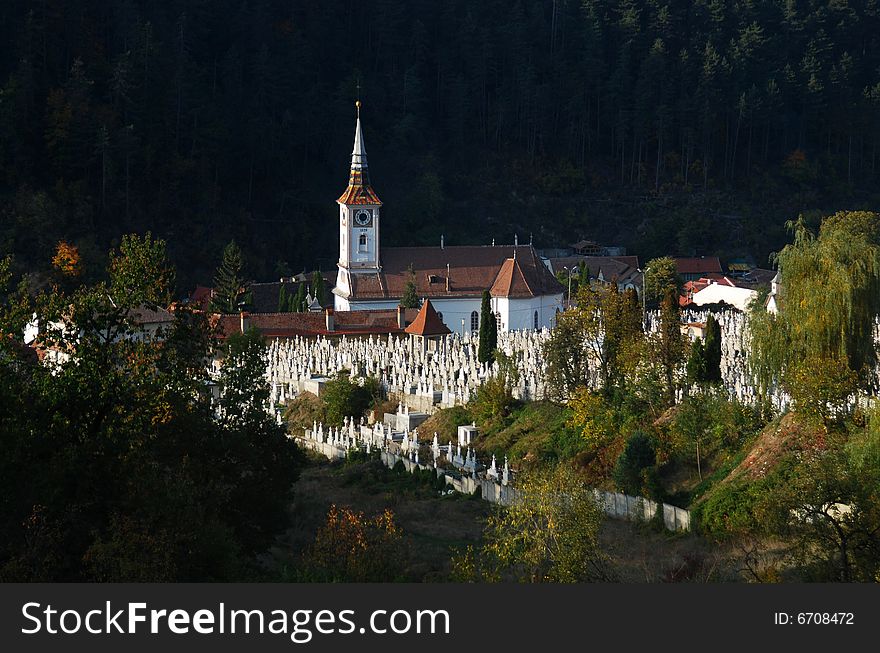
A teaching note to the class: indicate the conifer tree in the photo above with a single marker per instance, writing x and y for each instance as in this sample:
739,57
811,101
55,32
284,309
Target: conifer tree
283,299
318,289
410,298
712,351
229,281
488,331
297,302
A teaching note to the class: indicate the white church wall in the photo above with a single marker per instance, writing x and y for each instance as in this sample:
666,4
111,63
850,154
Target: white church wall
456,309
517,314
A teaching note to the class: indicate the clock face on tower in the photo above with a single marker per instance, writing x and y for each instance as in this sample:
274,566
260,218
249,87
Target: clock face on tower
363,217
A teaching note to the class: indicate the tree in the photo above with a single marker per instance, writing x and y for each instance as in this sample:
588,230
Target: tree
298,301
827,509
696,365
712,351
494,399
343,398
353,548
319,292
595,344
661,278
488,331
410,298
549,533
632,467
229,282
140,272
283,299
67,260
828,300
174,491
668,345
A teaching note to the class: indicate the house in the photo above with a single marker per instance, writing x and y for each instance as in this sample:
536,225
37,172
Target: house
622,269
719,293
692,268
328,324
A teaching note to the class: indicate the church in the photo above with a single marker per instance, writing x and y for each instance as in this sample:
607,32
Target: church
524,293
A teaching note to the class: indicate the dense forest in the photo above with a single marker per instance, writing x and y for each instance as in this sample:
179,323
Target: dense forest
693,127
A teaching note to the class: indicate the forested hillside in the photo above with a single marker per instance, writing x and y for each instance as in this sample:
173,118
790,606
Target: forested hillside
665,126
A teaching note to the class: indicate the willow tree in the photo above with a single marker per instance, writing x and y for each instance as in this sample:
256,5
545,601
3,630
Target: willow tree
829,298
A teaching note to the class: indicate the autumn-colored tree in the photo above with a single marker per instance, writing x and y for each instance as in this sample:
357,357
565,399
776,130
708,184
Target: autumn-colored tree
353,548
67,260
548,534
597,341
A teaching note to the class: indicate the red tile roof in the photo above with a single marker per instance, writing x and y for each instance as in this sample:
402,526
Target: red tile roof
427,322
511,281
288,325
472,269
698,265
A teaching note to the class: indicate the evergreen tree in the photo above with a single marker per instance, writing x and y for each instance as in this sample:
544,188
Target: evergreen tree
696,365
319,292
410,298
712,351
283,299
298,301
229,281
488,331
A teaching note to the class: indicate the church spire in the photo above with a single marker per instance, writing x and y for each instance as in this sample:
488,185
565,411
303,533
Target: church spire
359,152
359,190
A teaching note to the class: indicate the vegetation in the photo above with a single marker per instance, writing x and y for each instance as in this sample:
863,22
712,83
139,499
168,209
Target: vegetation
548,534
344,398
830,297
229,282
635,122
132,475
488,331
353,548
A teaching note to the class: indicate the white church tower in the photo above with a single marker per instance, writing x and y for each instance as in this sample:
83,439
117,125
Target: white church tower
358,220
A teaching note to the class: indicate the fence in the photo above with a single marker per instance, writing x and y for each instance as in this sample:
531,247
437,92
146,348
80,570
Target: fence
614,504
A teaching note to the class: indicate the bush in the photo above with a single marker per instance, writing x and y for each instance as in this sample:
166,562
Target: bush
342,398
637,457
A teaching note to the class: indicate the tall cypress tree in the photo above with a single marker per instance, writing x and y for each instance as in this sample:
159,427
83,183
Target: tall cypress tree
298,301
283,299
488,331
318,289
229,281
712,350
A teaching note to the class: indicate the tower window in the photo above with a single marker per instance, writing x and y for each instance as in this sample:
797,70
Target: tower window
362,243
475,320
536,319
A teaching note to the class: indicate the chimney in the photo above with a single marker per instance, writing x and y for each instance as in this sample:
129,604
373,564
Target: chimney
442,243
401,319
245,321
329,319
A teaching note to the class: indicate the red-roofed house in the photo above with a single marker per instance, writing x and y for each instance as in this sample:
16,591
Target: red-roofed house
329,324
690,269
